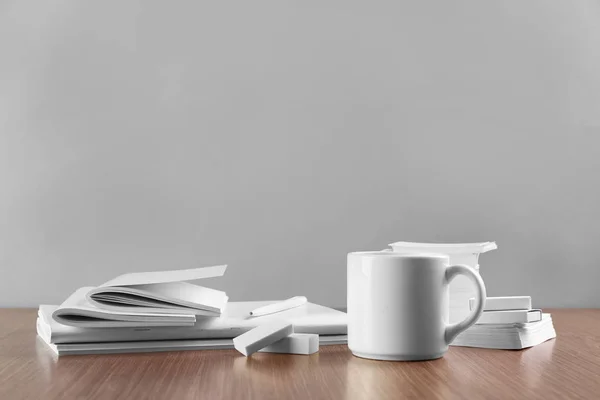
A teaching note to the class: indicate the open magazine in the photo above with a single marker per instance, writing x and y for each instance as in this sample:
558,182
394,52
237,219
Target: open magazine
144,299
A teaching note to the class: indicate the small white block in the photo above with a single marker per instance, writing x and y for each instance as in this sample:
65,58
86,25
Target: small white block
262,336
296,343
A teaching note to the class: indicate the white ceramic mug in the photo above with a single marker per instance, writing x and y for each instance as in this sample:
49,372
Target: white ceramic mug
398,305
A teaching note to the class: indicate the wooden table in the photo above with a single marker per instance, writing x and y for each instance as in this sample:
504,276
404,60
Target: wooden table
568,367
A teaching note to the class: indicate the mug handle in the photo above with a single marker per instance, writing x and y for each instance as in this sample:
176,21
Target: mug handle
454,329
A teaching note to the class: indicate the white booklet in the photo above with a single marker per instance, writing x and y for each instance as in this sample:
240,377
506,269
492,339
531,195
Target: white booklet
145,299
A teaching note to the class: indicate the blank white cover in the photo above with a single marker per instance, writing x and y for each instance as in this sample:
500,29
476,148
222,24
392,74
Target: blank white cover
143,278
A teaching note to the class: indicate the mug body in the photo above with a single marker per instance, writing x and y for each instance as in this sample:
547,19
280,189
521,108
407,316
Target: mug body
397,305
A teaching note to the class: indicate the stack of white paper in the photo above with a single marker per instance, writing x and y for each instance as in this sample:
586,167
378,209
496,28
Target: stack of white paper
205,333
507,323
507,336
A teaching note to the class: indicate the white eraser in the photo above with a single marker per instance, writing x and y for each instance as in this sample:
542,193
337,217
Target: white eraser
296,343
262,336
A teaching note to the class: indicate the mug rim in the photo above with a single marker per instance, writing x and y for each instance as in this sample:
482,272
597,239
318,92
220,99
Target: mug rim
392,254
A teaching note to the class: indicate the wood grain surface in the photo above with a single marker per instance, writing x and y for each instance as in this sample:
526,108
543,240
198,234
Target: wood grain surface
568,367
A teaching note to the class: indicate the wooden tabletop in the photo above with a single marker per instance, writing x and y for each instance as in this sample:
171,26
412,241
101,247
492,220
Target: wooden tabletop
567,367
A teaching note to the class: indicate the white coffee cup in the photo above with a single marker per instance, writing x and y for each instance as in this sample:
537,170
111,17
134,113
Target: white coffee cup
398,305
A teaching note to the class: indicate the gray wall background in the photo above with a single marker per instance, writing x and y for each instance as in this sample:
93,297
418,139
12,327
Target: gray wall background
276,137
